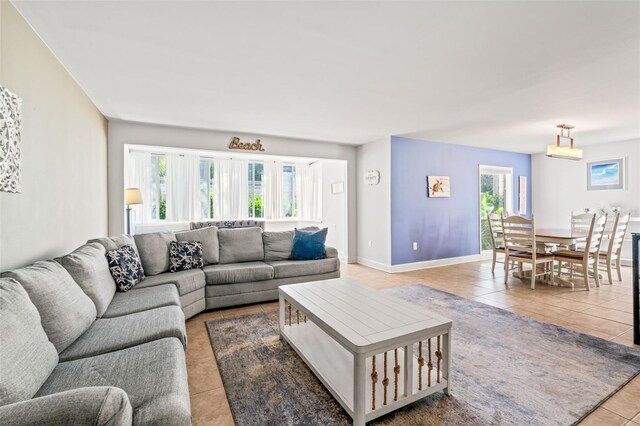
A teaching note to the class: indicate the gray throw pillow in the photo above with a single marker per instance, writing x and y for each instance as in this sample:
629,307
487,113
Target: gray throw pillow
240,245
209,239
154,251
89,268
65,310
27,357
277,245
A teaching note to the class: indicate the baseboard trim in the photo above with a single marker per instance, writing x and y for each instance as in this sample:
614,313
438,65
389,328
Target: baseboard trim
406,267
373,264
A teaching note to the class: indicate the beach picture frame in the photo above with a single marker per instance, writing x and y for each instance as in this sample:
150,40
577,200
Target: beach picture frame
605,175
438,186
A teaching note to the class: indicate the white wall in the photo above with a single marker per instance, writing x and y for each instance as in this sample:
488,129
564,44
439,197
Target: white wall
374,206
64,153
123,133
560,186
334,206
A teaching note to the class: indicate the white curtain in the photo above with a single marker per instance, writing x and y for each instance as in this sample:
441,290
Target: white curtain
315,191
183,188
303,188
138,175
309,191
231,193
272,190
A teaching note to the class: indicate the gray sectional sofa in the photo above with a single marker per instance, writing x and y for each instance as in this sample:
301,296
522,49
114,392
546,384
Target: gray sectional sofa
241,265
75,351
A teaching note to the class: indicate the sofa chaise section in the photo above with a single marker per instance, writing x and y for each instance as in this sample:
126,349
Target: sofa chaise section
153,375
95,405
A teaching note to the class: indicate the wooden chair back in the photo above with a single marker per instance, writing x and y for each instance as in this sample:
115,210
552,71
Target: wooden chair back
596,233
519,234
581,223
618,232
495,229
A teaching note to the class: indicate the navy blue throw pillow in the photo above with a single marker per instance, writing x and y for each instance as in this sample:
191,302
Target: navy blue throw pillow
309,245
185,255
125,267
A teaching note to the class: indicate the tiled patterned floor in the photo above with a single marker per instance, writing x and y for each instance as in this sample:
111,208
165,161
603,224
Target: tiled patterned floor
605,312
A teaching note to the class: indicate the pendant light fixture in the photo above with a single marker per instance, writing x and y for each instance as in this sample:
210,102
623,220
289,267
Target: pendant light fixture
566,152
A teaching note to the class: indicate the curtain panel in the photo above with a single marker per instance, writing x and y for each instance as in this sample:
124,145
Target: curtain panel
231,195
183,188
138,175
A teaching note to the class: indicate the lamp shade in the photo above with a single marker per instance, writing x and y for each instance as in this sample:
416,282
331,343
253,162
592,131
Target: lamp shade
132,196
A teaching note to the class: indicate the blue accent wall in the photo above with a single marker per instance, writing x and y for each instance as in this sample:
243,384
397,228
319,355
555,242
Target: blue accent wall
443,227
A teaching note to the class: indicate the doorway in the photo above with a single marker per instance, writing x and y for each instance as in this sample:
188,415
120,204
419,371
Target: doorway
496,197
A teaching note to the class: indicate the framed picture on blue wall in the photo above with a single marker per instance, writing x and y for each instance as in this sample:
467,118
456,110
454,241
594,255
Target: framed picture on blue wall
438,186
606,174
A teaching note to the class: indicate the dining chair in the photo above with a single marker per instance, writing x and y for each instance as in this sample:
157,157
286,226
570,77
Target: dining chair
589,255
612,256
497,241
580,224
520,246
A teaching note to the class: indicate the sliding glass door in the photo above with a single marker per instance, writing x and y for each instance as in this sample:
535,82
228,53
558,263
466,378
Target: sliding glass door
496,197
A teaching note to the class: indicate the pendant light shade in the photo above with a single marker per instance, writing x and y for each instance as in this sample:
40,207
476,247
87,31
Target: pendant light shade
566,152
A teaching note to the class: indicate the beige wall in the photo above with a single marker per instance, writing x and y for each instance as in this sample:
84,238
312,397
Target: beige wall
64,153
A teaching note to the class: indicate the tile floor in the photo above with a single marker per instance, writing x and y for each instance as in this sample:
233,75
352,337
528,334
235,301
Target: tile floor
604,312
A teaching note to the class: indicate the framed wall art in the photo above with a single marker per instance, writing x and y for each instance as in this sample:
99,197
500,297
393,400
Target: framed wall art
10,139
438,186
606,174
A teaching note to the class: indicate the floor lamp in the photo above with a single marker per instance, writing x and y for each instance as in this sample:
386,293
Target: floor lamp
132,196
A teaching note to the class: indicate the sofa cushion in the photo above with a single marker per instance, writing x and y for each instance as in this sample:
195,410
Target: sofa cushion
66,312
154,251
185,255
125,267
115,242
90,270
143,300
297,268
186,281
98,405
113,334
238,272
154,376
241,245
27,357
209,239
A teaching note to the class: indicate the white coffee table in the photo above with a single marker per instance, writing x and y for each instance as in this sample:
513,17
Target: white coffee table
360,343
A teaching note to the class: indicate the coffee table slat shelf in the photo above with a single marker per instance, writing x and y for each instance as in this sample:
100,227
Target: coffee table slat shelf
338,326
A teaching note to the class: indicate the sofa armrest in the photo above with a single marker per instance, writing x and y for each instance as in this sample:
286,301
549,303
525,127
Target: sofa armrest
331,252
103,405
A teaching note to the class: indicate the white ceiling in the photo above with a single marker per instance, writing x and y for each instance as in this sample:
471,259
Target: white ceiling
493,74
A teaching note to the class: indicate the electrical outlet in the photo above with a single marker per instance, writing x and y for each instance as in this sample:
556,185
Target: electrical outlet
370,243
415,246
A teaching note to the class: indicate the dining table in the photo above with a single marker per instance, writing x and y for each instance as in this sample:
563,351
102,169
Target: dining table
547,241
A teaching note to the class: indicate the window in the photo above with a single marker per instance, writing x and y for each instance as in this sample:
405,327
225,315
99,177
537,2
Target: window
158,187
289,190
206,188
255,190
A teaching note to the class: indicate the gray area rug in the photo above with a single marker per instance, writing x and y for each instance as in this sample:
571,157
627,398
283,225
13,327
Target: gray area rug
506,369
